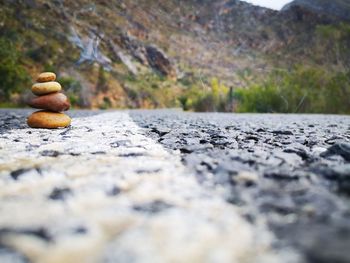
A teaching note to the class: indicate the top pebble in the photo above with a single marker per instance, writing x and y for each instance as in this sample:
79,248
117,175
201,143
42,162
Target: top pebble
46,76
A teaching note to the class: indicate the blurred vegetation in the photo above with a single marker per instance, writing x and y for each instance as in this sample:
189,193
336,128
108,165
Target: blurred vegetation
13,76
152,91
320,88
299,90
333,44
204,98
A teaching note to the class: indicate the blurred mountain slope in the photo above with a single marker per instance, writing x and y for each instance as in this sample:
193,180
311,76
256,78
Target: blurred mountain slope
147,53
337,8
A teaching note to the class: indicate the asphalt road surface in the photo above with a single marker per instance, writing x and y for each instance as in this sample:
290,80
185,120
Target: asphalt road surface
168,186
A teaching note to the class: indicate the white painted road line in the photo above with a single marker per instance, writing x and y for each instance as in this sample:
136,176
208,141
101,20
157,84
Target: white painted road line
103,192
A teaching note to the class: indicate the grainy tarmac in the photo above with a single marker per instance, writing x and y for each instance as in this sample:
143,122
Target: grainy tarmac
281,181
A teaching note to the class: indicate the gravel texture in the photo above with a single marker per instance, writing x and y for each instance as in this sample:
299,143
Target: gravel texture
169,186
291,170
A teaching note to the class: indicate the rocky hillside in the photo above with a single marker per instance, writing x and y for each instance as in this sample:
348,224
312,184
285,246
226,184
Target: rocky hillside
147,53
339,9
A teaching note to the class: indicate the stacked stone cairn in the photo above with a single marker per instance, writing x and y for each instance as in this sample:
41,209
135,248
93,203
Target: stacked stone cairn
51,102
